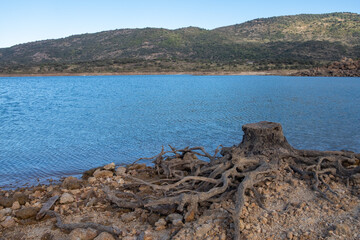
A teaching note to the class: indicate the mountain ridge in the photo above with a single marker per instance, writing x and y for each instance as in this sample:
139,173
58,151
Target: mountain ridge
284,42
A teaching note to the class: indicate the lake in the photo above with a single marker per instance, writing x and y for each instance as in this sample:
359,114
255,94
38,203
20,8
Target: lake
59,126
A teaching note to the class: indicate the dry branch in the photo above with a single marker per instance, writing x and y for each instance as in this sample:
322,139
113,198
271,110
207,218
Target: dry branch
184,181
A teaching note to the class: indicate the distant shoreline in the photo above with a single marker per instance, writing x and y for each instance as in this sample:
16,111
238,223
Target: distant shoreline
252,73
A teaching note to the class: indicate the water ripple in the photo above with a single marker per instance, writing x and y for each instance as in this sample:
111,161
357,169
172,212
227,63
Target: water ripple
58,126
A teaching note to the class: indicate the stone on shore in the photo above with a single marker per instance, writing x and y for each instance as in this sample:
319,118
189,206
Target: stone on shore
71,183
66,198
15,206
21,198
6,202
83,234
120,171
103,174
27,212
104,236
9,222
110,166
160,224
4,212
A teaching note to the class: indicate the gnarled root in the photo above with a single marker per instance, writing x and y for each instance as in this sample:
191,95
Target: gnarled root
71,226
184,181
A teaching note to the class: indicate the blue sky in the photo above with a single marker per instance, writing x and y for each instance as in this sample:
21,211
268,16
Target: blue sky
30,20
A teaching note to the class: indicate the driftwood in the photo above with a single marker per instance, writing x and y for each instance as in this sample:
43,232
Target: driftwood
186,180
71,226
46,207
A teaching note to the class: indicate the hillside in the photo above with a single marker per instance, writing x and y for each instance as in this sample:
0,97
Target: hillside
286,42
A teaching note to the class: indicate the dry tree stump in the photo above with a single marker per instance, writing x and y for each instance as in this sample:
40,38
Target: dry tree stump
264,138
184,181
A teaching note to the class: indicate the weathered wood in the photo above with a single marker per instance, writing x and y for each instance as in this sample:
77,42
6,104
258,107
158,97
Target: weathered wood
46,207
189,181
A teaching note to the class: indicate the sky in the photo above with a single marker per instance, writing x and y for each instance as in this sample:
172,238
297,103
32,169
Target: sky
24,21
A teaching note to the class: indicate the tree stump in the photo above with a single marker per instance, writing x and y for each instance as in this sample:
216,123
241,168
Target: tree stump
264,138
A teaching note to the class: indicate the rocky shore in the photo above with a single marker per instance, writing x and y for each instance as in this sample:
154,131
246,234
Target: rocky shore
88,208
347,67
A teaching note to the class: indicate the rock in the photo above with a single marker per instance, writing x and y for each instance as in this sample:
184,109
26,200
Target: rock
153,218
88,173
103,174
91,180
6,202
202,230
120,171
104,236
83,234
27,212
16,205
189,216
174,216
22,198
342,230
4,212
242,225
110,166
177,222
66,198
175,219
71,183
47,236
148,235
160,224
119,180
128,217
9,222
37,194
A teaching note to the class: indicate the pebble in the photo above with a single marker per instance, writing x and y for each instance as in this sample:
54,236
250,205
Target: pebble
71,183
128,217
342,229
4,212
242,225
177,222
110,166
16,205
21,198
47,236
83,234
103,174
37,194
92,180
174,216
27,212
9,222
148,235
160,224
189,216
66,198
6,202
120,171
104,236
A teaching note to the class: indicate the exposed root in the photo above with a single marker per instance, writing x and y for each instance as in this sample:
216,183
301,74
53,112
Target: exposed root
184,181
71,226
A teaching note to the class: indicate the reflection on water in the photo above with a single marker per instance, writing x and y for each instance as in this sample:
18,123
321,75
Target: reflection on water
56,126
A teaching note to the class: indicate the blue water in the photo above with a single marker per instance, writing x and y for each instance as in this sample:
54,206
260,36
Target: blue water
59,126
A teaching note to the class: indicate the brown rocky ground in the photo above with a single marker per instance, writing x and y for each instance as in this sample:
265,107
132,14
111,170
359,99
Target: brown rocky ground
287,205
347,67
294,211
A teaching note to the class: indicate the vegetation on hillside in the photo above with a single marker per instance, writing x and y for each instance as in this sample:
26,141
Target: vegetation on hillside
287,42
